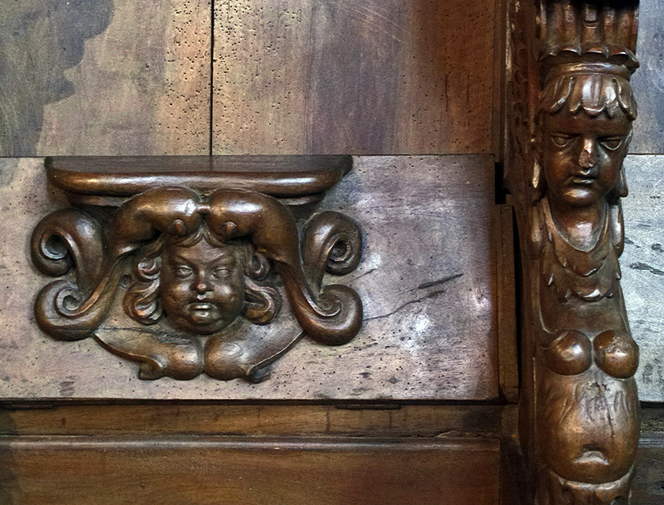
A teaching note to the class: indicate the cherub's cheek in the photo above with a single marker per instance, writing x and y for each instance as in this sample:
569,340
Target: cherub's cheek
176,293
228,294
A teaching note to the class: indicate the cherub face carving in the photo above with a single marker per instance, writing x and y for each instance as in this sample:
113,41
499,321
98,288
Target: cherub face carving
582,155
203,286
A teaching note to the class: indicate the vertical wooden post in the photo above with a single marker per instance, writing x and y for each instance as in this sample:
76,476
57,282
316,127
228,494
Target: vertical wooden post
569,114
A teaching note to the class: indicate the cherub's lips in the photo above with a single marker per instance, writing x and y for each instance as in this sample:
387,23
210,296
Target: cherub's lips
201,306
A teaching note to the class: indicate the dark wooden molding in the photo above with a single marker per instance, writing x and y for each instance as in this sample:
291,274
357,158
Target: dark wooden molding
109,180
569,114
193,254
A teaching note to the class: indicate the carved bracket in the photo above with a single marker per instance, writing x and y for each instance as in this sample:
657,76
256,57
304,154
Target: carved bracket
195,256
571,61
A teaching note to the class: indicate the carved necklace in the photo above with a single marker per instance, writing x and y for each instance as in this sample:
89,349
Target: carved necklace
589,275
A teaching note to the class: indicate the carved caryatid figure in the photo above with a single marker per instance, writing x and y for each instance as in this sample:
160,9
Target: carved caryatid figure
587,406
569,93
190,268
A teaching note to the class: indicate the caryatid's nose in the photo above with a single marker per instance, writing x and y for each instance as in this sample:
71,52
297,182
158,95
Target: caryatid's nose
588,155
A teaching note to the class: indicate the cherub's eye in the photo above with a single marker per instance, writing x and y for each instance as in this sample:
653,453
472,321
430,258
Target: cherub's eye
562,140
183,271
221,272
611,143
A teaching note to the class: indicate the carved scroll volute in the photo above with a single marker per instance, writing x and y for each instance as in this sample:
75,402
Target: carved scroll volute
188,268
580,410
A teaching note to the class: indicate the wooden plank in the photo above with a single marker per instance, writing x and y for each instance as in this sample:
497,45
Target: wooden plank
371,420
508,351
428,280
648,81
217,470
359,77
105,77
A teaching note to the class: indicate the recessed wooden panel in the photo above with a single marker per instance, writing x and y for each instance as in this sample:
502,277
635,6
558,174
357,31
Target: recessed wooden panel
105,77
218,471
428,281
360,77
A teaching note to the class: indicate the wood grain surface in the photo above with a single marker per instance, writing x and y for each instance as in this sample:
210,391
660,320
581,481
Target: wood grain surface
357,77
648,81
105,77
371,419
213,470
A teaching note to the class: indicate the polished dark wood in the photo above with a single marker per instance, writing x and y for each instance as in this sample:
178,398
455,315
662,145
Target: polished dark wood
292,76
84,178
568,140
225,470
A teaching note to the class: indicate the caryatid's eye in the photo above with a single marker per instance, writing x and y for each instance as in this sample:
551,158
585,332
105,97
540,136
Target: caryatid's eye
560,140
611,143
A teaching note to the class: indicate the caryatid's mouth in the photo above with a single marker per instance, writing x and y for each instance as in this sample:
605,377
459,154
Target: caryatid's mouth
584,180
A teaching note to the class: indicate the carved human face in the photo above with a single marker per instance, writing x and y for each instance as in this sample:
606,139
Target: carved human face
582,155
202,286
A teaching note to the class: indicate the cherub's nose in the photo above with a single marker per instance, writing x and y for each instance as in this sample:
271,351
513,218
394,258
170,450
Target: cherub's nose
202,283
588,155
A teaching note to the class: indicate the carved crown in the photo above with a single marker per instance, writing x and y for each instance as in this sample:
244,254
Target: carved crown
595,31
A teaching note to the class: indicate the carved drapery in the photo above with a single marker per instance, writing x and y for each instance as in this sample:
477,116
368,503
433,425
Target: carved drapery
569,118
171,276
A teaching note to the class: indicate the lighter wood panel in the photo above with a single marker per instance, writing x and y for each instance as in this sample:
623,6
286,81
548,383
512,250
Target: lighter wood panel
361,77
108,77
218,471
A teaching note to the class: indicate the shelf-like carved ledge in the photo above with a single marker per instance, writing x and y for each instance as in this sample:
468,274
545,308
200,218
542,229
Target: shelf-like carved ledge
570,110
176,262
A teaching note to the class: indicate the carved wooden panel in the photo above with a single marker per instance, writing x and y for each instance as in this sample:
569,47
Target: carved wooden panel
432,333
367,76
104,77
196,248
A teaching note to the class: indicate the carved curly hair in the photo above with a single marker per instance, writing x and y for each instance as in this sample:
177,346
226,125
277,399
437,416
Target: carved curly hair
141,301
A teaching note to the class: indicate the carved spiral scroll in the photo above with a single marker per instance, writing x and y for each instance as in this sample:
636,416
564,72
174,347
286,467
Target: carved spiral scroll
330,315
64,240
